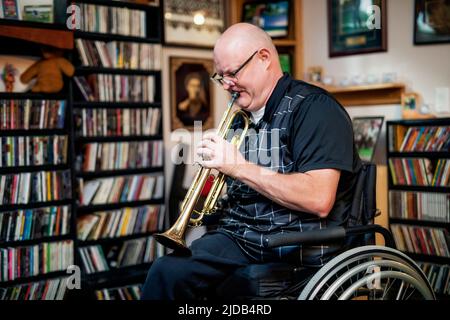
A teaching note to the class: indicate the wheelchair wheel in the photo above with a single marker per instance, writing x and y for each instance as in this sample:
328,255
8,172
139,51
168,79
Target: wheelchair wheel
369,273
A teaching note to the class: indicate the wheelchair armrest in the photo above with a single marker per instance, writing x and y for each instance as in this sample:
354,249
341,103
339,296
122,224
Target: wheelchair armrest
306,237
325,235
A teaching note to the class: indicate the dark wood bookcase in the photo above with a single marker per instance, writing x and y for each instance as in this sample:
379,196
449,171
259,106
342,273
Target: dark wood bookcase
430,215
25,38
135,274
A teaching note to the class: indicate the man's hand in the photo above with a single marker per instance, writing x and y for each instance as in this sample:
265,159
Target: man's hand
217,153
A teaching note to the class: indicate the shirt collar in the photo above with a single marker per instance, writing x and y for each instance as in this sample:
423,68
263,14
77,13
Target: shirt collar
278,93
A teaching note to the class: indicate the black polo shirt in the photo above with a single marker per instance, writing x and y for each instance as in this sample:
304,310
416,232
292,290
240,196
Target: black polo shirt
303,128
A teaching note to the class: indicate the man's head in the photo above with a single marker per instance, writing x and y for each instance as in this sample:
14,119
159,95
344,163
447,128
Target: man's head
244,43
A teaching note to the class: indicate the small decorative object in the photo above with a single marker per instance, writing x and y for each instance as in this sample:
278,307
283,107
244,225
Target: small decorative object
191,92
371,79
315,74
411,106
11,9
367,131
271,16
389,77
425,109
328,80
345,82
48,71
431,22
9,77
357,80
356,27
193,23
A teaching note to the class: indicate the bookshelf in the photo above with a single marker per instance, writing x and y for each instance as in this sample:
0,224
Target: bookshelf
419,194
36,206
292,44
119,137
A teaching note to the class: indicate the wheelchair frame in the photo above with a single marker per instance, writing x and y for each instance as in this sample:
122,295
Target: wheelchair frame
371,272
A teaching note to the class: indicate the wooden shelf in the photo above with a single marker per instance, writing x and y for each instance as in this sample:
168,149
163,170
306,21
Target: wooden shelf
415,222
37,33
114,37
366,95
88,70
117,138
118,172
284,42
420,154
125,4
85,243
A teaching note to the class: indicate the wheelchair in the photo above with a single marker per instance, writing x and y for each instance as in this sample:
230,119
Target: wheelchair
362,271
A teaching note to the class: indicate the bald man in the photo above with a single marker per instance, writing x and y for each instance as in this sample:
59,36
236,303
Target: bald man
296,171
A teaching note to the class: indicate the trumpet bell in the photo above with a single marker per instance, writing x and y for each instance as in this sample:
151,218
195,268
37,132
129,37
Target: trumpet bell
171,241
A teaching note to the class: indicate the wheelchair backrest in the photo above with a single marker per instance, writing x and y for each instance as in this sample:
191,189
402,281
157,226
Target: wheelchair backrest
364,207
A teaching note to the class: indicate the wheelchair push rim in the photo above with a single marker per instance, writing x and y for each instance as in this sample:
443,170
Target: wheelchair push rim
351,266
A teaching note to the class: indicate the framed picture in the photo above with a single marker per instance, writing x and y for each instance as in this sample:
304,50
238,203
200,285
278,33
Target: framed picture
191,92
367,132
193,23
10,9
410,101
356,27
431,21
271,16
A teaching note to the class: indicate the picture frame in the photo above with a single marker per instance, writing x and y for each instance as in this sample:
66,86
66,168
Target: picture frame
191,93
196,24
354,29
366,132
410,101
430,22
10,10
271,16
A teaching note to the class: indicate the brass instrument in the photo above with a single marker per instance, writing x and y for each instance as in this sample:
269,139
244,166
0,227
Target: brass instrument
174,238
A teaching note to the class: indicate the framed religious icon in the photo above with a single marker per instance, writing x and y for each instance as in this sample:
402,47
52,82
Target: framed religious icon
191,93
356,27
431,21
193,23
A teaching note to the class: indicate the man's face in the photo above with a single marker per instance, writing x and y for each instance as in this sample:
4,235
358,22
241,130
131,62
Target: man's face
193,88
248,81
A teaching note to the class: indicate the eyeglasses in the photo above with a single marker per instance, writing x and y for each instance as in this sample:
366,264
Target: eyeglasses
220,80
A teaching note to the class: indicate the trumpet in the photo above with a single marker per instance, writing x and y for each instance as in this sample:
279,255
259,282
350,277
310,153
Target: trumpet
174,238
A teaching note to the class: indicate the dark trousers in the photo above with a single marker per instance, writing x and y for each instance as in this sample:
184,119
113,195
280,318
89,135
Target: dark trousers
214,257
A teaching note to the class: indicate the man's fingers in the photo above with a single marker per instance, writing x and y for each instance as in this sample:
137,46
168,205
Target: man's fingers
209,164
205,152
206,144
211,136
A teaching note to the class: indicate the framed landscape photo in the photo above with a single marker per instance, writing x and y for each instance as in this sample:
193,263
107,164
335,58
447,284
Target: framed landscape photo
271,16
356,27
191,92
193,23
431,22
367,131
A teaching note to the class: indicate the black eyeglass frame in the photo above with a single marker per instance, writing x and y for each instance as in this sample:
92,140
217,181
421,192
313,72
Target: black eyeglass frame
219,79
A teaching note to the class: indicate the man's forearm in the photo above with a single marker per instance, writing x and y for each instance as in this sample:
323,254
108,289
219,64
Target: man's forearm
296,191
